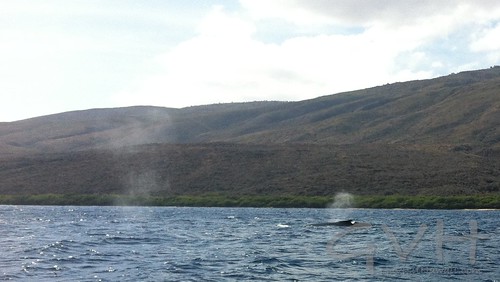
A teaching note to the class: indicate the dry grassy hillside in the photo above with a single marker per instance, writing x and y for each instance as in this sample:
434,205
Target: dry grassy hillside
239,169
439,136
460,108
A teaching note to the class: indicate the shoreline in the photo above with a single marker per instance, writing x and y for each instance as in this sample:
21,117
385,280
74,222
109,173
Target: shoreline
465,202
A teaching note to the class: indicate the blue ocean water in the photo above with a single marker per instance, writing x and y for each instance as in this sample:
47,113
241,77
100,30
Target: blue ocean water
61,243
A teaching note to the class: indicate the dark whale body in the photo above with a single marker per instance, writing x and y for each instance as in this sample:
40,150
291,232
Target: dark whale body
348,222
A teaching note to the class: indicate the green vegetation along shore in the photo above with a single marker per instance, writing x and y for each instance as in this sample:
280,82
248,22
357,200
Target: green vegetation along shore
399,201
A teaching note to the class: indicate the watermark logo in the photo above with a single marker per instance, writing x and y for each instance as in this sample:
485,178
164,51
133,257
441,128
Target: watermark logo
368,250
431,270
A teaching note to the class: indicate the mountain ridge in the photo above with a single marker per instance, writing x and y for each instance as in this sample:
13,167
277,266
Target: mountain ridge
426,137
458,108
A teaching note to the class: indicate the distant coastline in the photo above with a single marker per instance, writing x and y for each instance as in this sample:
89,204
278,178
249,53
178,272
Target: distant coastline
476,202
431,144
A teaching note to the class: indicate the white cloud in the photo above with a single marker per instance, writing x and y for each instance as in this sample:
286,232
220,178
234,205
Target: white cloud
65,55
226,62
487,45
488,40
366,13
70,55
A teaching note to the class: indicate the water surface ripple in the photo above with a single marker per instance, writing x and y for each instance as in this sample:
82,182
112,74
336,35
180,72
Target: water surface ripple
61,243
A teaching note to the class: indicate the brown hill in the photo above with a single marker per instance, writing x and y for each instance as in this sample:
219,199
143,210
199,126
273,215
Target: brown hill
458,109
438,136
245,169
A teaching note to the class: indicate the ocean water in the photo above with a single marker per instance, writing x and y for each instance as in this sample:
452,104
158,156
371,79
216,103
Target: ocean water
62,243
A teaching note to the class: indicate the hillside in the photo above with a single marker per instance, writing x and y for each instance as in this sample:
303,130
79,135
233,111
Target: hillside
239,169
431,137
458,109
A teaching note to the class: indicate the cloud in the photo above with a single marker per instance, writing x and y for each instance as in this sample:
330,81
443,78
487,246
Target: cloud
487,40
62,55
365,12
70,55
226,62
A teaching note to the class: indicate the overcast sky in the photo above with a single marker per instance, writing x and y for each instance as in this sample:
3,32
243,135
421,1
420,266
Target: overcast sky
58,56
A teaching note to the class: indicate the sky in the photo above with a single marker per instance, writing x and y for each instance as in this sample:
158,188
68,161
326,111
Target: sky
64,55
